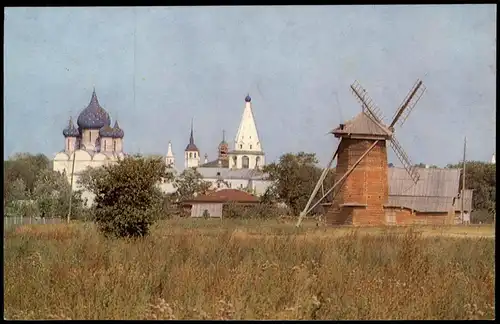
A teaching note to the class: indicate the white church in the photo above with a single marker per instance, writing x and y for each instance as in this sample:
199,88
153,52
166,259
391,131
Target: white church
95,143
239,168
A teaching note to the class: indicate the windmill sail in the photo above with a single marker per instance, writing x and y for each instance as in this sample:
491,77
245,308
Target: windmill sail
366,102
405,161
408,104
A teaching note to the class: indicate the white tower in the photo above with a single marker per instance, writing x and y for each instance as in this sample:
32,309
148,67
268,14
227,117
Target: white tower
247,153
170,159
493,159
191,153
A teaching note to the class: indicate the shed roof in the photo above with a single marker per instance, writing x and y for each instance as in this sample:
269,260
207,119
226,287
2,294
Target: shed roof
436,191
226,195
432,182
362,124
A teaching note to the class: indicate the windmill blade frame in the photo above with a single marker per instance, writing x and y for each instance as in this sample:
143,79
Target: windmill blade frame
404,159
366,101
409,102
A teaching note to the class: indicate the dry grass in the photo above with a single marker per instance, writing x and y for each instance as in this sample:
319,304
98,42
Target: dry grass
211,269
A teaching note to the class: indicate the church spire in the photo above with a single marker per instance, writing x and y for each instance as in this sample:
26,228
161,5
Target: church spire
169,150
170,159
247,137
191,146
191,137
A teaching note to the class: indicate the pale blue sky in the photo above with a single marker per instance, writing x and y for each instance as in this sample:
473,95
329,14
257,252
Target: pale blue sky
297,63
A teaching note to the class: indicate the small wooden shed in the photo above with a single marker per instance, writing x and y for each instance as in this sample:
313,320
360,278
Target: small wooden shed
212,204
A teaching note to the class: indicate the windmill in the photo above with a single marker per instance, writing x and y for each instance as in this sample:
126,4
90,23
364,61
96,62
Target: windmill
361,173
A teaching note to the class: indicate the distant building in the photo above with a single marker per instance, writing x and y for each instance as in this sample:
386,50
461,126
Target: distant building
212,204
170,159
191,153
493,159
239,168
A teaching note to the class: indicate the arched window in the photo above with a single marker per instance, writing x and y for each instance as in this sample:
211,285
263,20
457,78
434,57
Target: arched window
190,155
195,155
241,146
114,145
250,146
90,136
245,162
104,144
257,161
235,161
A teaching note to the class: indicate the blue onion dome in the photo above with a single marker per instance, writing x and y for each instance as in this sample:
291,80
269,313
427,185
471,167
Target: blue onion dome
71,130
106,131
248,98
94,116
117,131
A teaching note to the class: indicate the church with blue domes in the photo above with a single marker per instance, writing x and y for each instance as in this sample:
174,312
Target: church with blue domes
93,142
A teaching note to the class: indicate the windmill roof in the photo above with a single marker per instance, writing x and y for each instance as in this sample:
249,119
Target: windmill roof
362,124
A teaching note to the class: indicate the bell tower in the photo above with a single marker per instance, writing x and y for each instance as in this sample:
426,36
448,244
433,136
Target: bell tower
191,153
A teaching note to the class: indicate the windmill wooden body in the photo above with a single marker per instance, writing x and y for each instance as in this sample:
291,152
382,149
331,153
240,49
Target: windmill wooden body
360,189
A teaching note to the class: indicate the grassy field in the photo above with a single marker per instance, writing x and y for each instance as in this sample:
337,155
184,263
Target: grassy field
212,269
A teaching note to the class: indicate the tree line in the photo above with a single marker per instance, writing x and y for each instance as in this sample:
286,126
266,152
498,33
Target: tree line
32,188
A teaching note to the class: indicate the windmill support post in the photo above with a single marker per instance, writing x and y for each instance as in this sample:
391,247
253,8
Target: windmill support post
463,182
338,182
319,183
71,189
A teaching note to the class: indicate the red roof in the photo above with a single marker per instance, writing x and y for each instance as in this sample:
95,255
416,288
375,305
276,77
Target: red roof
226,195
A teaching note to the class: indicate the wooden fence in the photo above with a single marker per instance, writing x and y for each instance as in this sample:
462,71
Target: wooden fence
12,221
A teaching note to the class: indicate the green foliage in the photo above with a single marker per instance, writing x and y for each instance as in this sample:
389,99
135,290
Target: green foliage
31,188
52,192
481,177
294,177
26,167
128,200
89,176
189,183
15,190
482,217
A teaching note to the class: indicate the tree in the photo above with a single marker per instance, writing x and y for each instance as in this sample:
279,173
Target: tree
52,191
88,177
128,200
481,177
15,190
294,178
190,183
25,166
29,177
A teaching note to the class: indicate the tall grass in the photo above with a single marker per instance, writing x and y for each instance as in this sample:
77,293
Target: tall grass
184,271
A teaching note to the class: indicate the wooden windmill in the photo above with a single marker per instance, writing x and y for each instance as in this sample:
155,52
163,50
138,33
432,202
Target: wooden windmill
361,184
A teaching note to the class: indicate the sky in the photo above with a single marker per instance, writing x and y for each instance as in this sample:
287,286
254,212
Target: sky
156,68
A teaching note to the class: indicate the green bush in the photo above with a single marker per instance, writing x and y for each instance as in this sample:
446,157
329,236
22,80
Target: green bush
127,199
